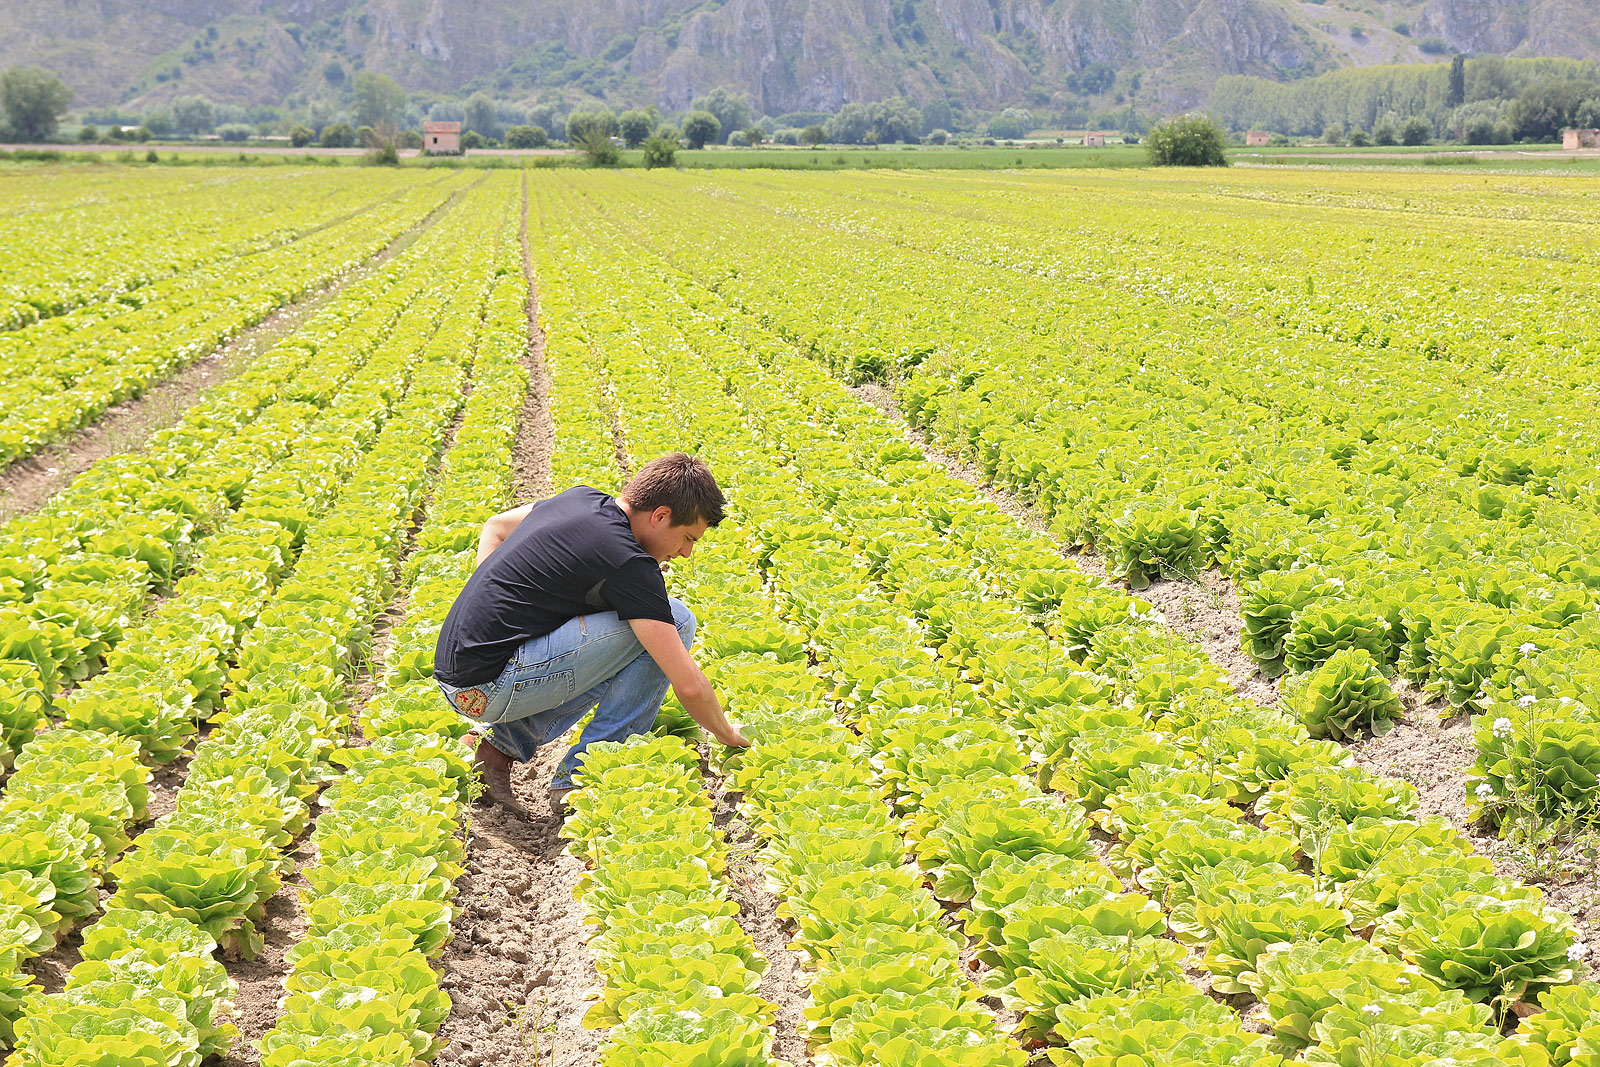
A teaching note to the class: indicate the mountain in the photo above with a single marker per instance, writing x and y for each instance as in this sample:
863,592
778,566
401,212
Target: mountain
787,55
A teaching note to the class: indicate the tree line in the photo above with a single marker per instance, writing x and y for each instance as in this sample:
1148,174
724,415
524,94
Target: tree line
1477,99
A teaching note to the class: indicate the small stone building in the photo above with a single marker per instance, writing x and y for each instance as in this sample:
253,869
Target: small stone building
441,138
1094,140
1257,138
1571,139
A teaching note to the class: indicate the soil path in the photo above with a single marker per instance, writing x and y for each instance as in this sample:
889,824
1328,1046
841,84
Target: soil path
1431,754
28,482
518,970
747,876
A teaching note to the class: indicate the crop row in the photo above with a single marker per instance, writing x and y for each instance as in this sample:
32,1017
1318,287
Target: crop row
1429,510
1304,881
360,991
79,245
63,373
217,858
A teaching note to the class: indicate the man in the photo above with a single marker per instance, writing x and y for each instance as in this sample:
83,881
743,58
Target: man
568,610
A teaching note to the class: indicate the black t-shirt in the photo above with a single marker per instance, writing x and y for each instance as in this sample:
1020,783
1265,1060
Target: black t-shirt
574,554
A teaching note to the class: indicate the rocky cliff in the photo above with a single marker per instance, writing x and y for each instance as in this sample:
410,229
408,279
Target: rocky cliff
788,55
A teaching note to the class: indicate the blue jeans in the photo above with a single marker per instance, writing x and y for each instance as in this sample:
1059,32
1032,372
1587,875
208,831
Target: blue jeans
593,661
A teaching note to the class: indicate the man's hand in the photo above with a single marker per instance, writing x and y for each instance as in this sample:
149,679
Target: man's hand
688,681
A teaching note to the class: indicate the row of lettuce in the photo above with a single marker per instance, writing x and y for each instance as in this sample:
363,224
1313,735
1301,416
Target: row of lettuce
1416,508
997,705
291,488
63,372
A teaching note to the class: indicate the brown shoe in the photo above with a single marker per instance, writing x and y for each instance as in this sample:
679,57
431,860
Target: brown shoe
495,768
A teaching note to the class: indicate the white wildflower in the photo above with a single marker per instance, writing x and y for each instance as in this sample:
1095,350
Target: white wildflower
1527,700
1527,648
1578,951
1484,790
1502,727
1373,1009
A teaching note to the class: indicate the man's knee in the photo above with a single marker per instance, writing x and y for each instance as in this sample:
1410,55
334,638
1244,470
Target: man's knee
683,619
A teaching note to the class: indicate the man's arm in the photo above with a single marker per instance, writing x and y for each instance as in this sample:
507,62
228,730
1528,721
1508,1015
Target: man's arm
499,528
689,682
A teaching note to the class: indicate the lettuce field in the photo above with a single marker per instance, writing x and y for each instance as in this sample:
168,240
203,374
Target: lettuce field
984,437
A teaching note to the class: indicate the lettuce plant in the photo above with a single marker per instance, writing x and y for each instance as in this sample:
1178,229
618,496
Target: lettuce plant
1300,982
1316,801
1568,1028
1080,962
1161,1024
1267,613
1486,946
1346,695
663,1037
1317,632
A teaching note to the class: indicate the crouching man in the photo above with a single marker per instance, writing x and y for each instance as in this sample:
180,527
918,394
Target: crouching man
568,610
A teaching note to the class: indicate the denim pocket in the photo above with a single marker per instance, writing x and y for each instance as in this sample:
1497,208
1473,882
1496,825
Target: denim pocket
529,696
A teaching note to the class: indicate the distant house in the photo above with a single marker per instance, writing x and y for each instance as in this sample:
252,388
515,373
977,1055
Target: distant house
1094,140
441,138
1257,138
1580,139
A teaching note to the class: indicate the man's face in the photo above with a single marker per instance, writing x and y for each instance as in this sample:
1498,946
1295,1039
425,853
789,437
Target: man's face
664,541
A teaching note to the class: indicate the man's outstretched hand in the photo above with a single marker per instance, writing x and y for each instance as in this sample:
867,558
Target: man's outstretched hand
734,739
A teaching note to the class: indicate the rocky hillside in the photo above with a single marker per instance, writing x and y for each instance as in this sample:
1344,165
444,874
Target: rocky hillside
788,55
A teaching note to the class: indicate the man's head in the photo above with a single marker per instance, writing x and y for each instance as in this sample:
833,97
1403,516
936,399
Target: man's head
671,502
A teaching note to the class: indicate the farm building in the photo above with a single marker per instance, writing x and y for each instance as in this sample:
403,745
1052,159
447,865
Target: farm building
1094,140
441,138
1580,139
1257,138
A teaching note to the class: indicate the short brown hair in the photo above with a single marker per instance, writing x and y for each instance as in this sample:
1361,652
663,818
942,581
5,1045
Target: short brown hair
678,481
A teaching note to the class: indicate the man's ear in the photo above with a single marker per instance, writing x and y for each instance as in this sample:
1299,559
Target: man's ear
661,517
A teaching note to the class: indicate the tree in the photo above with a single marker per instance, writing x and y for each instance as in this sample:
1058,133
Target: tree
1415,131
580,124
732,109
1588,114
597,147
700,128
876,123
479,115
1096,78
1541,111
635,126
1334,134
338,135
473,139
937,115
754,136
813,135
1187,141
158,122
526,137
378,101
301,135
1360,139
1458,81
193,114
34,101
1383,134
88,133
234,132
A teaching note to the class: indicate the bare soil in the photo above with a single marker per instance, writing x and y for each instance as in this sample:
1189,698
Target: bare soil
28,482
537,437
519,971
260,980
782,983
1431,754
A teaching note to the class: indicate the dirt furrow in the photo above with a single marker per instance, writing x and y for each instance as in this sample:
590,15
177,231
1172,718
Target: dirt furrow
518,971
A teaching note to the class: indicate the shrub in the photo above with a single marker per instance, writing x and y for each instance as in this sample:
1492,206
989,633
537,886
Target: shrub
1416,130
580,124
338,135
526,137
384,155
1360,139
754,136
473,139
812,135
302,135
659,152
1187,141
234,132
598,149
1433,46
1383,134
